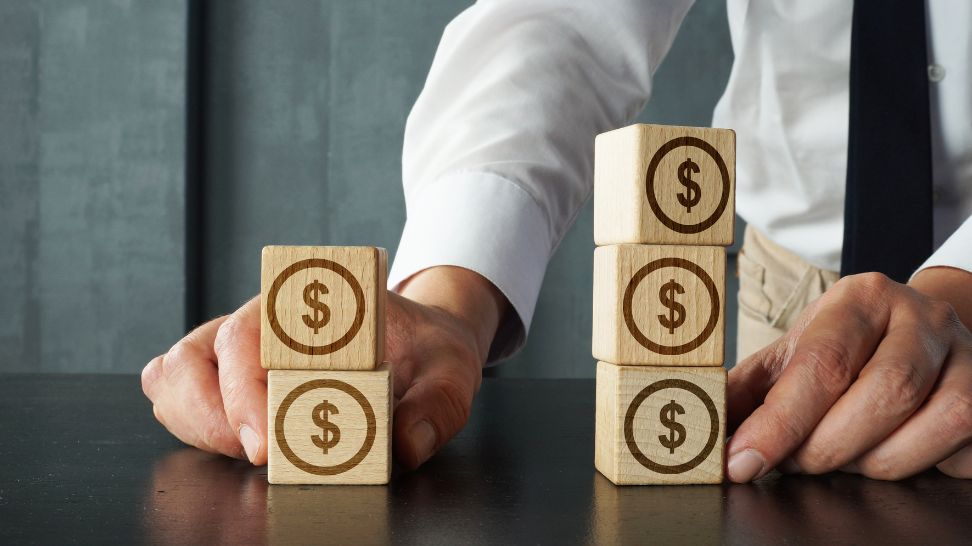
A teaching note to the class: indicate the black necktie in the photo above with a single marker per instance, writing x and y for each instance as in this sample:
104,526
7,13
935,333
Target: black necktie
888,207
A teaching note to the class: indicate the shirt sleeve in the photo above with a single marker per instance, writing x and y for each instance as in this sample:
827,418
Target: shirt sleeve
956,251
498,153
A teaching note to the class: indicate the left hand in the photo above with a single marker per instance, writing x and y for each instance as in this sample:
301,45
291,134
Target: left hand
875,378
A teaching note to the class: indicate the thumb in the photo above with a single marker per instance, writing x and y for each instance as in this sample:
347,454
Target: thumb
750,380
431,412
242,381
437,373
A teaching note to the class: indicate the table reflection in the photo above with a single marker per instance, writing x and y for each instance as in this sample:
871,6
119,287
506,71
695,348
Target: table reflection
196,497
201,498
836,508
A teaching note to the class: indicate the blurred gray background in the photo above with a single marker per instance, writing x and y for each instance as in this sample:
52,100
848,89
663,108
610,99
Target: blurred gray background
148,150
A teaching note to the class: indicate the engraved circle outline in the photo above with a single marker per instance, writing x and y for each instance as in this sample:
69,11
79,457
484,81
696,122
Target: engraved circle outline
335,345
314,384
665,219
650,268
636,404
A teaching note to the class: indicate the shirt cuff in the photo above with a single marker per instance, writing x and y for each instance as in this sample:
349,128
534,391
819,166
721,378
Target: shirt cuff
956,251
485,223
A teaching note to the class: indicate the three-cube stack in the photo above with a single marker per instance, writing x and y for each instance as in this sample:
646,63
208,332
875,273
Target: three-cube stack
329,395
663,215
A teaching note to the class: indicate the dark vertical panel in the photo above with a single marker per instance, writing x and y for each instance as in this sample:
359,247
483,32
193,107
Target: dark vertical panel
266,138
196,85
98,216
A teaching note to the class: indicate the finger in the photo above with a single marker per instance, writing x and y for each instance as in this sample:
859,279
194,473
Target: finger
242,381
890,387
750,380
187,402
433,408
399,336
823,363
151,375
934,433
197,345
958,465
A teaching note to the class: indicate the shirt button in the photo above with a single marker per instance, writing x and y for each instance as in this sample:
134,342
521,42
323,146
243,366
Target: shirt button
936,73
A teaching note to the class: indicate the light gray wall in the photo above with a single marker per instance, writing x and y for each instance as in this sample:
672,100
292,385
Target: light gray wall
304,107
91,186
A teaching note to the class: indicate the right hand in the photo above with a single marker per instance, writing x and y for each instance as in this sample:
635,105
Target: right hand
210,391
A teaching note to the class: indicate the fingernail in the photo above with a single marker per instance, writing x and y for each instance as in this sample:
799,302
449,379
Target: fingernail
250,441
423,435
789,466
745,465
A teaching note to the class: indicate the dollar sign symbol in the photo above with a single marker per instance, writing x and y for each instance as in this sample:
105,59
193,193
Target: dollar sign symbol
676,432
312,294
692,190
676,311
320,414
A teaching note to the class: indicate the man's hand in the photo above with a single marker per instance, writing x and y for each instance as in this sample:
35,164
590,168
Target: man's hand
875,378
210,391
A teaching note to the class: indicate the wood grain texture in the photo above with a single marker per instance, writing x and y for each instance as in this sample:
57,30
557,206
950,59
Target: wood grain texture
688,450
361,451
344,329
645,331
634,162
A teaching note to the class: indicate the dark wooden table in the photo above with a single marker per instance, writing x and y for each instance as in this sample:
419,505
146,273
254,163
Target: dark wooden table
84,461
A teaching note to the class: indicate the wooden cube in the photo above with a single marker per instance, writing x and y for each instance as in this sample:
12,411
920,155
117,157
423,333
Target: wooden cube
329,427
659,305
322,308
664,185
660,425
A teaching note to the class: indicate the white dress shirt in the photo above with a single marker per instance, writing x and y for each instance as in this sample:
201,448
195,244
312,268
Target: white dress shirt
498,155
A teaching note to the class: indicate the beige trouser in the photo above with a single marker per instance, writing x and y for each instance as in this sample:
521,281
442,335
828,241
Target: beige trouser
775,286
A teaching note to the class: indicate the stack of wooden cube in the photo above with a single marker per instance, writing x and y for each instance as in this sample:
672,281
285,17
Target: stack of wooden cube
329,395
663,215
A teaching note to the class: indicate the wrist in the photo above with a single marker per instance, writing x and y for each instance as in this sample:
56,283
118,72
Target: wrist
465,295
949,284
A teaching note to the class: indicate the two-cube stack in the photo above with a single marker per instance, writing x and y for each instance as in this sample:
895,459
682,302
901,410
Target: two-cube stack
329,395
663,214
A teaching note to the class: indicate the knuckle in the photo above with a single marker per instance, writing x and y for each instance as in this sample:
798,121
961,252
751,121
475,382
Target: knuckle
233,390
150,374
789,431
816,459
457,398
900,388
157,412
225,334
940,315
211,432
868,289
183,352
957,413
873,282
172,363
830,364
881,468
